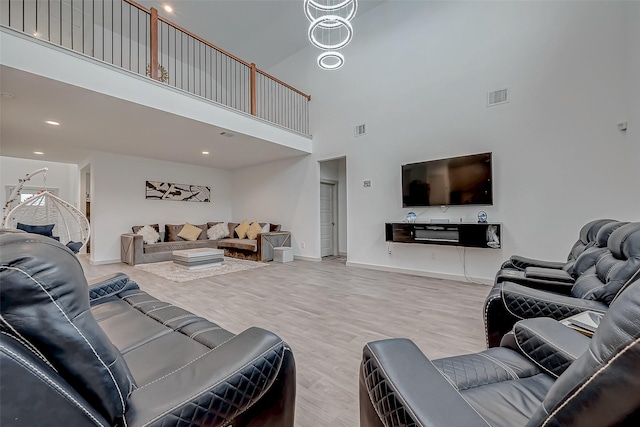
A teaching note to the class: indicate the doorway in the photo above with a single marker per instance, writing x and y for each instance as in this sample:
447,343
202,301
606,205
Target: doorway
333,209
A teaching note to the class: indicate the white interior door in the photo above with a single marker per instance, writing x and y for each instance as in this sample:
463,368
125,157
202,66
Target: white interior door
327,224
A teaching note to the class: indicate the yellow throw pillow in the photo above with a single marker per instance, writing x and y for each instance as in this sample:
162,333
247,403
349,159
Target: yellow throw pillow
241,230
253,231
190,232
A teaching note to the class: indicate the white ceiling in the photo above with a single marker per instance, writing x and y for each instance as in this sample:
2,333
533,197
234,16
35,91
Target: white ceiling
261,31
95,122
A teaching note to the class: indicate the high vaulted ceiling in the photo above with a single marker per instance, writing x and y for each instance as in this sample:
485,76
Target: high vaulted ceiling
264,32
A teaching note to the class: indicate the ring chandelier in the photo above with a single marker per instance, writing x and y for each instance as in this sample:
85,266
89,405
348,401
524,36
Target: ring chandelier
330,29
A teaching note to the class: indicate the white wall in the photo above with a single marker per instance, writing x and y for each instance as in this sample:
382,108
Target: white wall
118,198
633,92
417,74
63,176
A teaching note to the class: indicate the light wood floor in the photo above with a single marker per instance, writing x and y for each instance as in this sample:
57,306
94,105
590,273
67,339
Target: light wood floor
327,312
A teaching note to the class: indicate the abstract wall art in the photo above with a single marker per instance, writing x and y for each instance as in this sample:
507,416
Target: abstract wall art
157,190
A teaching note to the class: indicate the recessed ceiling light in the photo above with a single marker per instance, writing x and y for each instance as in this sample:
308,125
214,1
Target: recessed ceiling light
168,8
40,153
205,152
52,123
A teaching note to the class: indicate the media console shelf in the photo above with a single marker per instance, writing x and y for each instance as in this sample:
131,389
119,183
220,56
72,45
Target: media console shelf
469,234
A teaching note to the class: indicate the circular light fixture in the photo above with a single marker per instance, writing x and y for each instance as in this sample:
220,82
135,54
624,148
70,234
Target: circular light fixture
168,8
330,60
330,18
52,123
329,8
39,153
205,152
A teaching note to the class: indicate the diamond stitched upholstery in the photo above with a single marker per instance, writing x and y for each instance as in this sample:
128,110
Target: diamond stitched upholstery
108,286
551,358
387,404
526,307
222,403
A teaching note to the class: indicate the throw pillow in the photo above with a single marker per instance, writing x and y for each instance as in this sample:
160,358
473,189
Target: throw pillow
74,246
190,232
218,231
44,230
253,231
171,232
265,229
137,228
149,234
241,230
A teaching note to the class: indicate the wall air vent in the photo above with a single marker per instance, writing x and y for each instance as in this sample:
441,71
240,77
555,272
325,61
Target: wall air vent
497,97
360,130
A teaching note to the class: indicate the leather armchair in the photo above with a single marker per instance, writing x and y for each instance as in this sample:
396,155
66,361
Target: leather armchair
588,234
594,289
561,280
544,374
109,354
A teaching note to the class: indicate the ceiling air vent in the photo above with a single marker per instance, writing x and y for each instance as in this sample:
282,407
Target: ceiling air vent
360,130
497,97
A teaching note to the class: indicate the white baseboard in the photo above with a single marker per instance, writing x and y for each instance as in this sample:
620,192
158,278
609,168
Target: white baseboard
307,258
433,274
105,261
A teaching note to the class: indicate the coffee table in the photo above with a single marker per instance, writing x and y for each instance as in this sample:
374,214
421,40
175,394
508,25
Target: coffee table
196,259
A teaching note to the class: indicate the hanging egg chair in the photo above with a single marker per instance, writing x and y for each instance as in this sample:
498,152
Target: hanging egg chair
70,226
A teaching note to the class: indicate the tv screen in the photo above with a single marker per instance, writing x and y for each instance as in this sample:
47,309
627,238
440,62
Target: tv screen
465,180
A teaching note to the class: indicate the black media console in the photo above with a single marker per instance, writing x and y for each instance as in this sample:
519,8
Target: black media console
475,235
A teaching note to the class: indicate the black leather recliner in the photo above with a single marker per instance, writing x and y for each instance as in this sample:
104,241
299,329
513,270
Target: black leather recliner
544,374
594,289
109,354
587,237
561,280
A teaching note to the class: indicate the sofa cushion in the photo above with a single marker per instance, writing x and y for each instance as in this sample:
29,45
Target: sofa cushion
275,227
190,232
246,244
218,231
171,232
177,246
149,235
253,231
241,230
137,228
204,228
232,229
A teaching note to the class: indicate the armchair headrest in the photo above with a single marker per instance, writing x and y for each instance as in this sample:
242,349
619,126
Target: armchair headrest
45,305
624,243
590,230
602,238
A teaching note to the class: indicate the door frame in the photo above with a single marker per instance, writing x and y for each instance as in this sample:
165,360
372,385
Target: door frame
334,215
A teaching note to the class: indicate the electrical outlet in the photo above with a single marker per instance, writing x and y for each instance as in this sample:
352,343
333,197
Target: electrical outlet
367,183
303,245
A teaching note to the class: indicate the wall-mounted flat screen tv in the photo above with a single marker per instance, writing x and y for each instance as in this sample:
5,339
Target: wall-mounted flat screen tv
465,180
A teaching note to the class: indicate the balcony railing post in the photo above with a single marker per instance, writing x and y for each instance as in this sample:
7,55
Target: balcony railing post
154,43
253,89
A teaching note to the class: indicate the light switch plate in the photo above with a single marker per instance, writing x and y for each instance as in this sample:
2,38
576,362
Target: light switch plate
367,183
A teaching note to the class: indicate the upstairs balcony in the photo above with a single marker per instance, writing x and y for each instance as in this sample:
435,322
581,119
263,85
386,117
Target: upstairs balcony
127,35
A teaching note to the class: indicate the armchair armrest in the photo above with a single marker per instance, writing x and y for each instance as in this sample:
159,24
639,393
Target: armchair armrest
106,286
548,274
131,248
398,382
526,303
520,263
537,281
549,344
215,387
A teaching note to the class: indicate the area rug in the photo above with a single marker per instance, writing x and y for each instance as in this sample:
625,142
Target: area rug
175,273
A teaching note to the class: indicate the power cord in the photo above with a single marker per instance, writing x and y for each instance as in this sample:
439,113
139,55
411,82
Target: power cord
463,261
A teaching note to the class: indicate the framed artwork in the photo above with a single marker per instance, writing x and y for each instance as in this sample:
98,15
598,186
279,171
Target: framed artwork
157,190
